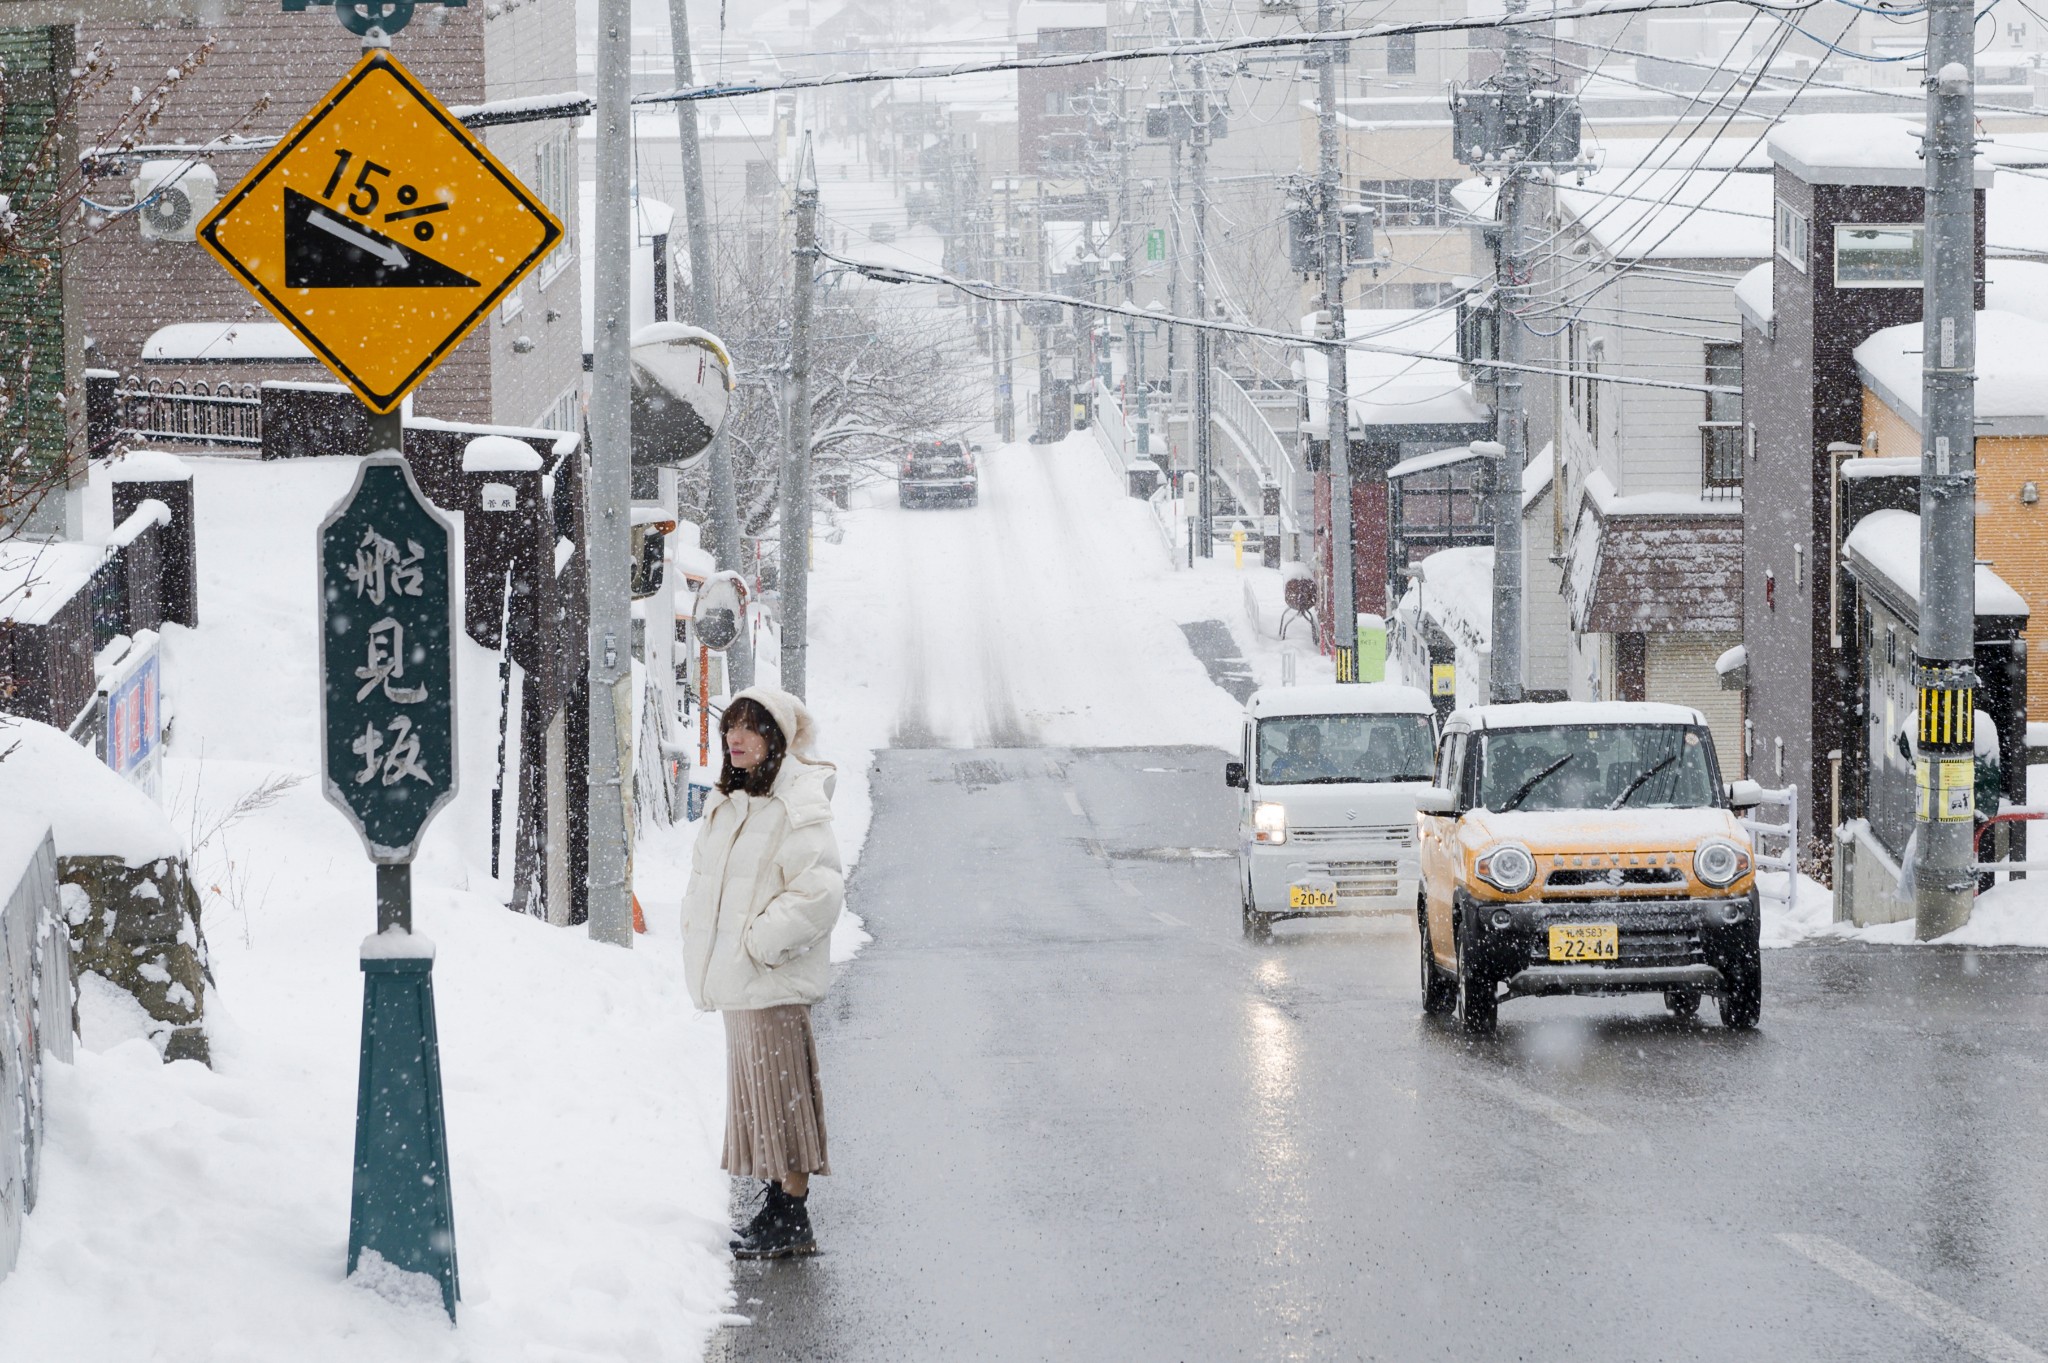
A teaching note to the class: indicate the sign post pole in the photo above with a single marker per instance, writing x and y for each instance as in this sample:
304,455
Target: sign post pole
387,666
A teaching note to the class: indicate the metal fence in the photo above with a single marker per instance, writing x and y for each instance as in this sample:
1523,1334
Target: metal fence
36,1017
1781,834
174,412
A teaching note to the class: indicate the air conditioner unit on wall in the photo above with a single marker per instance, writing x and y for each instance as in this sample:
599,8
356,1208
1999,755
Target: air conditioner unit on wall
172,197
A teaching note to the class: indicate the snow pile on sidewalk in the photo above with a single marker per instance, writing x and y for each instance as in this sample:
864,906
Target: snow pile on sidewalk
2014,914
200,1216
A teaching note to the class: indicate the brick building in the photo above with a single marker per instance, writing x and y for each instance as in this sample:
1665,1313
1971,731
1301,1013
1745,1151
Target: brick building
262,69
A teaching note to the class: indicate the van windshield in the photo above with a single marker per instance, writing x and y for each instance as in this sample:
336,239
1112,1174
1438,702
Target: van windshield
1299,750
1601,766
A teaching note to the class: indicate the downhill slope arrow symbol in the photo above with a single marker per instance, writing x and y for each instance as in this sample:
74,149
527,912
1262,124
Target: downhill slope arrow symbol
325,250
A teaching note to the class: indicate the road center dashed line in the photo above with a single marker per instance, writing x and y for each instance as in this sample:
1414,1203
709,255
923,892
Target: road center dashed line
1168,919
1527,1099
1074,803
1946,1319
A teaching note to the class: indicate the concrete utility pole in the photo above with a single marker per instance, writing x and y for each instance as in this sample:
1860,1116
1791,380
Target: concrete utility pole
1511,425
1006,401
796,462
1343,605
1944,883
725,515
1198,172
611,494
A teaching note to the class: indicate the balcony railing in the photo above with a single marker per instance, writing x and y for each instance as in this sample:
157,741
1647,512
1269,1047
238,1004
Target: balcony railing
1721,460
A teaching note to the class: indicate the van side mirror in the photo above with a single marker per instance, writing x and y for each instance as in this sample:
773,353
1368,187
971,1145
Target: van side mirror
1435,800
1744,794
1233,776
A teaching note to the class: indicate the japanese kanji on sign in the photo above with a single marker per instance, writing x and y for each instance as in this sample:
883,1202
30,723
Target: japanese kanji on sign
387,664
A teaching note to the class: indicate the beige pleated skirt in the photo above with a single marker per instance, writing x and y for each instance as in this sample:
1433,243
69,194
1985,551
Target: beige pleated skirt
774,1109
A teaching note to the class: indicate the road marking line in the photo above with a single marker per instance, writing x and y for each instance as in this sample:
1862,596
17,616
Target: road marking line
1074,803
1130,889
1951,1322
1168,919
1570,1118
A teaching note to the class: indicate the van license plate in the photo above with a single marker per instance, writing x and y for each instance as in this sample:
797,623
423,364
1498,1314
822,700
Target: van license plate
1585,942
1310,897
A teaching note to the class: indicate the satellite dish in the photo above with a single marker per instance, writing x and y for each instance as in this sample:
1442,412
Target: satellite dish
682,383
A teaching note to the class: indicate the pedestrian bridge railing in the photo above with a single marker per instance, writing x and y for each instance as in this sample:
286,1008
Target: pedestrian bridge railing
1252,457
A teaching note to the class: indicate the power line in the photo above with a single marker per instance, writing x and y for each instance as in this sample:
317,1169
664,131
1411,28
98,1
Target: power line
1598,9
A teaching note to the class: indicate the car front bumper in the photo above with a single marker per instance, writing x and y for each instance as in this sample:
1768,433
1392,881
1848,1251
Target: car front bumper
1368,880
1663,944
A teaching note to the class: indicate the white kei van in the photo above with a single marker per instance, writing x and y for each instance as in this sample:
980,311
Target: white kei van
1326,822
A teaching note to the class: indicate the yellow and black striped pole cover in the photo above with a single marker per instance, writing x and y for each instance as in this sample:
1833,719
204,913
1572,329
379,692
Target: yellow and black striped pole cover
1948,717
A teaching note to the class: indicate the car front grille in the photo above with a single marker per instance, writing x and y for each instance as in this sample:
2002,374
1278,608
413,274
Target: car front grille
1648,936
1614,878
1359,835
1359,879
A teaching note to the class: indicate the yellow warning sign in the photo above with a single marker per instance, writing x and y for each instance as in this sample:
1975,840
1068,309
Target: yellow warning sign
380,230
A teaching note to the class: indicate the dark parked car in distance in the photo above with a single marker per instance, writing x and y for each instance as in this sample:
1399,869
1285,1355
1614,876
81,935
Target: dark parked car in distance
937,470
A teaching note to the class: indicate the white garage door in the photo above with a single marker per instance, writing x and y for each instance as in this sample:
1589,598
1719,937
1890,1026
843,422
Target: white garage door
1679,670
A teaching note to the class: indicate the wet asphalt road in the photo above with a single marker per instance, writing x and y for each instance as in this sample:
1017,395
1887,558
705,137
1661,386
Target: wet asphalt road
1074,1115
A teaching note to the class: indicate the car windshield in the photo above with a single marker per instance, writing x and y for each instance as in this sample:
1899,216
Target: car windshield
1297,750
1601,766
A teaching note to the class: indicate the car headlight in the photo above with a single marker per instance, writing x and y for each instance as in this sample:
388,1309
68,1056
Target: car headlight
1269,822
1719,863
1509,867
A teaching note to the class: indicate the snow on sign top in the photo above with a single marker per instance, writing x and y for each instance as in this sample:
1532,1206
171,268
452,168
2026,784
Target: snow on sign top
1855,149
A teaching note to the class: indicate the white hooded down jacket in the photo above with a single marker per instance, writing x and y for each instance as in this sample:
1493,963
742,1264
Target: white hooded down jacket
766,884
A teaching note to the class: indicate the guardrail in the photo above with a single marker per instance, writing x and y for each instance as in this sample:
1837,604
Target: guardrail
1786,834
1264,456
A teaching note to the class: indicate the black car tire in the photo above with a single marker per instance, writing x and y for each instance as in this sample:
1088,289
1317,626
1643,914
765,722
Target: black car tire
902,497
1683,1003
1478,998
1439,988
1257,926
1741,1001
974,499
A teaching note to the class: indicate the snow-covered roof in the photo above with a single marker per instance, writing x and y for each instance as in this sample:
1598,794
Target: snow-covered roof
1545,714
2016,214
2019,286
1359,698
1855,149
1391,389
2012,372
1536,475
1702,214
1888,543
1033,15
46,779
1422,463
1754,298
223,342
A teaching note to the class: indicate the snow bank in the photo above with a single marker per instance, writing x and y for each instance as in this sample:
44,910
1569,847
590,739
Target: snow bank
45,778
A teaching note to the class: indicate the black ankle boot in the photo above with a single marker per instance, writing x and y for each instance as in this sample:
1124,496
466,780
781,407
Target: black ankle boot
772,1198
785,1232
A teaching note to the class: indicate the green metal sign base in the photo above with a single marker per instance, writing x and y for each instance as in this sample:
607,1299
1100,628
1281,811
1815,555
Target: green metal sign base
402,1206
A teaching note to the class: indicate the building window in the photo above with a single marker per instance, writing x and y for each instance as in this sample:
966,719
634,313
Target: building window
1793,235
1586,364
1412,203
760,179
1870,256
1401,54
565,413
554,180
1721,431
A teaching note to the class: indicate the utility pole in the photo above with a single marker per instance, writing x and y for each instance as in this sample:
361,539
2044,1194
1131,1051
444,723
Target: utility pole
1198,171
1337,400
1945,882
796,462
609,532
1006,402
725,515
1511,426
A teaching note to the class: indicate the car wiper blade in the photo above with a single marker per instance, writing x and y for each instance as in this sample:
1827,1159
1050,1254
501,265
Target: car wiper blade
1637,784
1523,790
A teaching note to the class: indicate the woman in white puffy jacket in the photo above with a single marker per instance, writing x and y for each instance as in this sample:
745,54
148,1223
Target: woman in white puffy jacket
766,887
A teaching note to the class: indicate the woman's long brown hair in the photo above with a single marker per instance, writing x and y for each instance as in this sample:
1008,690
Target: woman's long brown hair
760,778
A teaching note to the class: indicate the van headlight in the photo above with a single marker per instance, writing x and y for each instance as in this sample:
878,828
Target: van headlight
1269,821
1719,863
1509,867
